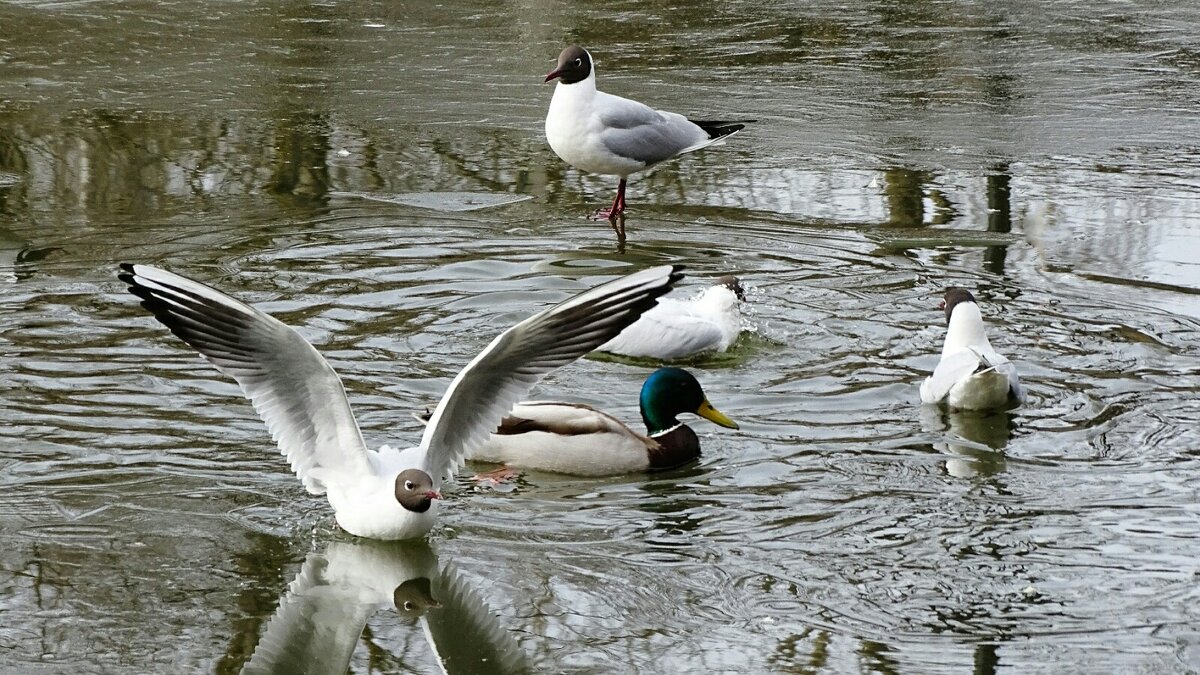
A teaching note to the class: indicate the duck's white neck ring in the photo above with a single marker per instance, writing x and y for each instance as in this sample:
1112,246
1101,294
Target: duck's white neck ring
666,431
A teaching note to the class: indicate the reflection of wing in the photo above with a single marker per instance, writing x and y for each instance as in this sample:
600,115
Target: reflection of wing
951,369
320,618
990,431
463,633
315,628
981,440
974,442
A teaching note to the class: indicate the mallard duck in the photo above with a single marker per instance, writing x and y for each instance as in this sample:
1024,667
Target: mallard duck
389,493
580,440
609,135
675,329
970,375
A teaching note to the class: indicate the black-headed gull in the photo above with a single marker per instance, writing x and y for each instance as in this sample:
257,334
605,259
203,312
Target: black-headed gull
605,134
674,329
389,493
970,374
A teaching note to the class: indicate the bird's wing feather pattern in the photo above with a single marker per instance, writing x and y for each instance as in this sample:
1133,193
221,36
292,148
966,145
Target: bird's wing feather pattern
507,369
292,387
557,417
643,134
1001,364
950,369
1005,366
616,112
664,335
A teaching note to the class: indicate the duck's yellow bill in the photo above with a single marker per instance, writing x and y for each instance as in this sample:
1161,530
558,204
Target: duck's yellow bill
708,412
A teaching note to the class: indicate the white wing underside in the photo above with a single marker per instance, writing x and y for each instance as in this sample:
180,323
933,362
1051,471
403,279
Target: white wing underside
508,368
304,405
293,389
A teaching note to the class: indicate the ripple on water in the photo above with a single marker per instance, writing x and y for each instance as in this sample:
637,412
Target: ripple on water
843,527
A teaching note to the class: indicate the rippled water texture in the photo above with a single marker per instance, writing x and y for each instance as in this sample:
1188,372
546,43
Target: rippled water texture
1044,154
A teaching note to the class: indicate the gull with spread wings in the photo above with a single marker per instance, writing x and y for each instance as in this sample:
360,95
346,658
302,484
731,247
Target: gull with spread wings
388,493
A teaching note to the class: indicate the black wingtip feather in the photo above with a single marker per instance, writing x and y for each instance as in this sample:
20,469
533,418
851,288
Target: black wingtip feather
721,128
205,325
578,330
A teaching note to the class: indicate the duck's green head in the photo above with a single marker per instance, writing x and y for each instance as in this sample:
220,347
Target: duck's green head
671,391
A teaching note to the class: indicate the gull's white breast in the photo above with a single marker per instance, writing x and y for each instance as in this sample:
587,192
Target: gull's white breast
574,130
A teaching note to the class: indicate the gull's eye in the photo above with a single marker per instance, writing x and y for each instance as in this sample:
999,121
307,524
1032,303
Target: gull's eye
579,62
409,606
408,485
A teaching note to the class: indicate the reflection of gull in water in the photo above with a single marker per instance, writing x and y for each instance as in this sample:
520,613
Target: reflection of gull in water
321,617
974,441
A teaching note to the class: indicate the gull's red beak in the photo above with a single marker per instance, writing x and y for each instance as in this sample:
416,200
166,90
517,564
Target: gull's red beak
433,494
942,305
552,75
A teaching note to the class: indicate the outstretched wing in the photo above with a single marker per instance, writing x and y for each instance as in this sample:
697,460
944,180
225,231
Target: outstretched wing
292,387
502,374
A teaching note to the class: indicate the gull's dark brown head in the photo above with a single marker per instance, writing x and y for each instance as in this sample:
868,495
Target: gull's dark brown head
574,65
732,283
954,295
414,490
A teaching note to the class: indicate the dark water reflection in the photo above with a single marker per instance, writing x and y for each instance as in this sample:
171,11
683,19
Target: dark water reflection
321,618
1045,155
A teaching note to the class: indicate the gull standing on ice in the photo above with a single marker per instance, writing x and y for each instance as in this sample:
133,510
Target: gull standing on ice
970,375
605,134
389,493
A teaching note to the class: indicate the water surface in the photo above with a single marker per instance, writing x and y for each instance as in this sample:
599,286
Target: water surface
1045,157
